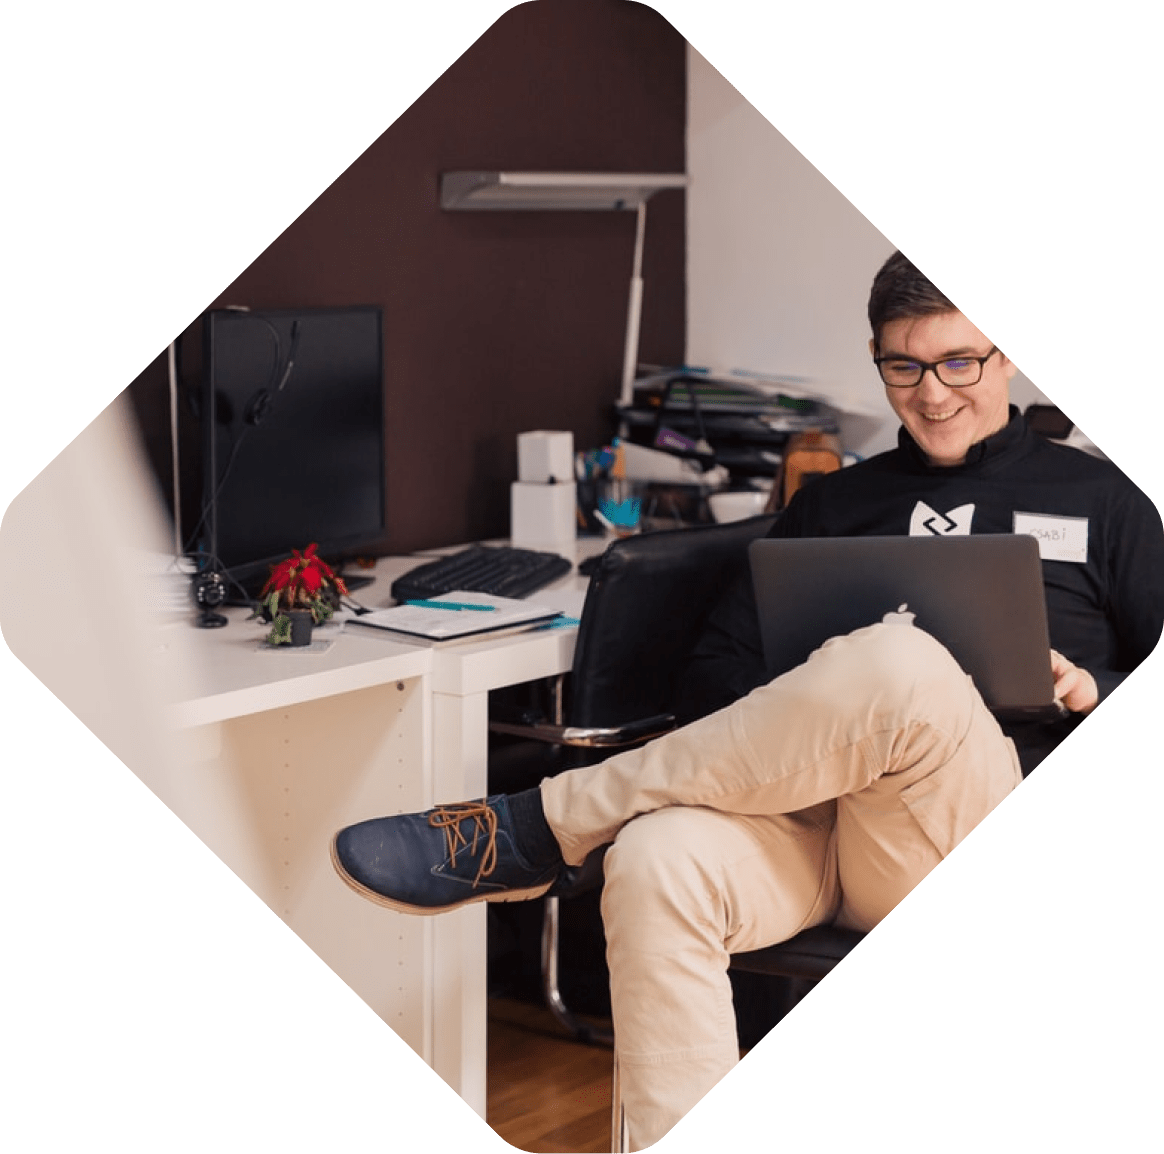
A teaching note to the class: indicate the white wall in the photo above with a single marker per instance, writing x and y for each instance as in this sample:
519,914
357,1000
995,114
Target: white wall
93,521
779,263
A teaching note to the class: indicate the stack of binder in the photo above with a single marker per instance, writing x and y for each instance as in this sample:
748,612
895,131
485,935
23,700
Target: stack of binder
738,423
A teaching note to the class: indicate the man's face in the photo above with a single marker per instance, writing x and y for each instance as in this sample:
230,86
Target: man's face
945,422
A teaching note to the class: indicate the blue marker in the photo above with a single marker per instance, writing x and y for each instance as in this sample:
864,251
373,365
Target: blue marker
453,605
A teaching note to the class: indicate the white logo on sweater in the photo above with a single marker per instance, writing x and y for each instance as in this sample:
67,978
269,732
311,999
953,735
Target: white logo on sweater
927,522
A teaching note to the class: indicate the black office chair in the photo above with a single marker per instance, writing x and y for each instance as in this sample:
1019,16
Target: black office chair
645,608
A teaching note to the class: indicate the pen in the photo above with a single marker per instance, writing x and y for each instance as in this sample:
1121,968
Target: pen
452,605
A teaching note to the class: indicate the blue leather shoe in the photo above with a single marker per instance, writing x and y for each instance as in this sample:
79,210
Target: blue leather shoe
426,863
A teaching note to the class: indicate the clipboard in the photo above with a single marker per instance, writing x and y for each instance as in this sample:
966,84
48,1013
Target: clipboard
457,615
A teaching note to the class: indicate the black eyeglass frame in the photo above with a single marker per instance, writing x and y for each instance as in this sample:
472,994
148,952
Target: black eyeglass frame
934,366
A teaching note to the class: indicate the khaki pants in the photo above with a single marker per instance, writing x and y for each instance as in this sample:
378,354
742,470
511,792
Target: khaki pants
824,796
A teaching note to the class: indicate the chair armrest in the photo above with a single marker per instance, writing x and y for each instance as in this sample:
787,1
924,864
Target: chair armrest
810,954
590,737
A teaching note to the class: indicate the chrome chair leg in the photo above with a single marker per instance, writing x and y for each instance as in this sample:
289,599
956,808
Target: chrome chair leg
619,1139
550,988
551,935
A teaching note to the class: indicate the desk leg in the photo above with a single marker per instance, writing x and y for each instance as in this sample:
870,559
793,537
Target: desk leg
460,758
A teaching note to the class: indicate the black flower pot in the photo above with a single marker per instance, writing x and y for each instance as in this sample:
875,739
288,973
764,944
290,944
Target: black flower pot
301,623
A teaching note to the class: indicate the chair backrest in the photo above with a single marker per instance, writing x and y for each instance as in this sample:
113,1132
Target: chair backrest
645,608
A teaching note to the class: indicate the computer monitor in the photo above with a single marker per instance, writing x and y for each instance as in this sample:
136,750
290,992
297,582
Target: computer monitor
293,437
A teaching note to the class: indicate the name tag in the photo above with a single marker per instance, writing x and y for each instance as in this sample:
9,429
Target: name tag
1059,538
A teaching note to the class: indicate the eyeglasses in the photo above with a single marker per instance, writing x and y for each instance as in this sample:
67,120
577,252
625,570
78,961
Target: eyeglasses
953,372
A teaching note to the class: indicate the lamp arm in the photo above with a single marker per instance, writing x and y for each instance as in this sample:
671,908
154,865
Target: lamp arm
634,311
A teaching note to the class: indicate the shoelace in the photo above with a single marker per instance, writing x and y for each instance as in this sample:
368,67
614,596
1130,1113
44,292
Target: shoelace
449,818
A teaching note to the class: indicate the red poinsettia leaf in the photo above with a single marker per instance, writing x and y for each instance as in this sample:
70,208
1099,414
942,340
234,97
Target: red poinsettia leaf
312,579
341,586
287,575
311,550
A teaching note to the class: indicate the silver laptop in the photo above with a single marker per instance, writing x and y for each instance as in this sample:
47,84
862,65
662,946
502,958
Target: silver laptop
981,596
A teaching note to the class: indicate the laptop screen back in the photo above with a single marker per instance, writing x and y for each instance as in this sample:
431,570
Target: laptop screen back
981,596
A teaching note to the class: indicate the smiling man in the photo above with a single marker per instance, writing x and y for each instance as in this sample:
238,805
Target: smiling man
948,393
967,463
826,794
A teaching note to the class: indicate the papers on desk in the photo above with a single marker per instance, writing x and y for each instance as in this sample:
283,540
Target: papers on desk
457,615
567,601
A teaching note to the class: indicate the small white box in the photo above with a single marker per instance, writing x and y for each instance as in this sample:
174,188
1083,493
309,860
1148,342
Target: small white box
544,456
542,516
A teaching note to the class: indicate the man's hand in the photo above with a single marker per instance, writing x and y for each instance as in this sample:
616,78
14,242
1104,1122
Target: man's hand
1074,687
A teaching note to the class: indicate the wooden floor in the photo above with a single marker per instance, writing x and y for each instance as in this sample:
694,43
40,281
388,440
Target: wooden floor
546,1093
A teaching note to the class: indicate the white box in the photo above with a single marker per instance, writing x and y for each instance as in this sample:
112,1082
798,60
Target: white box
544,456
542,516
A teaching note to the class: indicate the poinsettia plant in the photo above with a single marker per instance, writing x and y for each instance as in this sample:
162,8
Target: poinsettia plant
303,581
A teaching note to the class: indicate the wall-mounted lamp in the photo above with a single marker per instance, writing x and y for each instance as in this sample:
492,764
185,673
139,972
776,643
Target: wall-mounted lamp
572,192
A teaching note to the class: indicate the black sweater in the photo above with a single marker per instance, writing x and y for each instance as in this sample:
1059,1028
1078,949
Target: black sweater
1104,613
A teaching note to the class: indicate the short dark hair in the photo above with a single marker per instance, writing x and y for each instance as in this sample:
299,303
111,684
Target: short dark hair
900,290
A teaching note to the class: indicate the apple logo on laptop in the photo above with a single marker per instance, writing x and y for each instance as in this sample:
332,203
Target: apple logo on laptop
901,616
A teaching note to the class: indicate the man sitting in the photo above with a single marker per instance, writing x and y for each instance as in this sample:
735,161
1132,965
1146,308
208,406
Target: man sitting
826,794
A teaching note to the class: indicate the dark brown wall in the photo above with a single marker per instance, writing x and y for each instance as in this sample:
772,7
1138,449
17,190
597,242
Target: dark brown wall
493,323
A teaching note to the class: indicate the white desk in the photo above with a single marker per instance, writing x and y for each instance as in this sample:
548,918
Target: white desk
284,748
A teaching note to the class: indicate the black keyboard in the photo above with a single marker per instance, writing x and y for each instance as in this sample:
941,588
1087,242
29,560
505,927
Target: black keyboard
501,570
